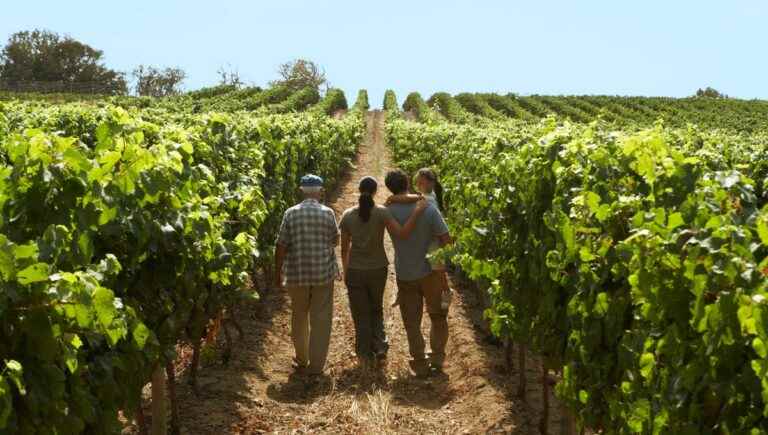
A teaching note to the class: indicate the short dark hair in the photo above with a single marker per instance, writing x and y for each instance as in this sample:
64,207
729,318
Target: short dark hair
396,181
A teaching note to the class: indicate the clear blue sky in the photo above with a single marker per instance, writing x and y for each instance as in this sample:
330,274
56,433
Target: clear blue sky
648,47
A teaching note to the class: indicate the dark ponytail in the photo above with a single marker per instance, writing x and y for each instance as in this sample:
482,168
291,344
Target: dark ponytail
368,187
430,175
439,196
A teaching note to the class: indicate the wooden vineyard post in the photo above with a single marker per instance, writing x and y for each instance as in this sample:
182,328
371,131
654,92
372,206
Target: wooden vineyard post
193,365
228,345
266,270
521,351
158,402
170,370
508,350
141,422
230,316
544,423
567,420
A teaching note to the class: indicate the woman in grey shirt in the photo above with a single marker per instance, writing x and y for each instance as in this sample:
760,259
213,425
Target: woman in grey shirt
365,266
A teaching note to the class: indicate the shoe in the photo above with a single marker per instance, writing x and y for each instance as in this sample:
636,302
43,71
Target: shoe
437,371
299,368
366,363
381,354
424,374
420,368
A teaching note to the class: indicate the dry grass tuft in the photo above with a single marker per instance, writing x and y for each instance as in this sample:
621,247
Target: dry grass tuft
372,412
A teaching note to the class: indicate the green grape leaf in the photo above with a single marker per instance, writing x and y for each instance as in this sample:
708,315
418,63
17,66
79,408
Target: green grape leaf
592,201
759,347
140,335
25,251
104,305
7,262
85,245
15,373
6,403
583,397
762,228
35,273
107,214
585,254
641,412
601,304
647,363
675,220
70,360
76,159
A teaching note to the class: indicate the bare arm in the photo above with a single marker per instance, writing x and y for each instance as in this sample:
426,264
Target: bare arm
279,259
404,198
281,248
444,239
346,243
403,232
334,230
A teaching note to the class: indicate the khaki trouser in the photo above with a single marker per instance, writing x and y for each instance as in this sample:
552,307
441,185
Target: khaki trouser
311,318
413,295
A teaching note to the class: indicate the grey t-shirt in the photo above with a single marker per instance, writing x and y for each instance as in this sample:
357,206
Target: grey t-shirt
411,254
367,250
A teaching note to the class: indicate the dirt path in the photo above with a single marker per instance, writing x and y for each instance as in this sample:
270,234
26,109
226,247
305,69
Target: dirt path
256,392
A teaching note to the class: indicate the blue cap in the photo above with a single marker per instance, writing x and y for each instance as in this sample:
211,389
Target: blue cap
311,180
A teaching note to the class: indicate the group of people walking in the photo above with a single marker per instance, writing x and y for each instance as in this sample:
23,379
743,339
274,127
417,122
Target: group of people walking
306,267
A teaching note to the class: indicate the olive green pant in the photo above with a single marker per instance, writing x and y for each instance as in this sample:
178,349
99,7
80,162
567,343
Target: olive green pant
311,319
413,296
366,301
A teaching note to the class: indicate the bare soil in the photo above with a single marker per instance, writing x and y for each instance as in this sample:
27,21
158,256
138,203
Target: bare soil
256,392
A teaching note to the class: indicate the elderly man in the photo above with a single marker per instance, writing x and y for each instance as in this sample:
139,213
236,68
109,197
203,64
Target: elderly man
306,266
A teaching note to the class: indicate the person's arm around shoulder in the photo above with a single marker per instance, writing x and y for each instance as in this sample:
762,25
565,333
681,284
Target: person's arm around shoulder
403,232
404,198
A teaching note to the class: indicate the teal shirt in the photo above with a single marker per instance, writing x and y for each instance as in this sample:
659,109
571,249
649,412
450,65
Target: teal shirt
411,254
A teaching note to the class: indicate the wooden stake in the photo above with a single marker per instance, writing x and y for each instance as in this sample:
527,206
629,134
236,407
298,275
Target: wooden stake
522,348
170,370
193,365
159,426
508,360
227,346
231,317
544,423
266,270
141,421
567,421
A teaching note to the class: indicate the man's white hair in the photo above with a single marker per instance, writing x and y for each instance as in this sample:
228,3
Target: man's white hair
311,189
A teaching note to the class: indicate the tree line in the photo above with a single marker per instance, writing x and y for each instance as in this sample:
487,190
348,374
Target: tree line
45,61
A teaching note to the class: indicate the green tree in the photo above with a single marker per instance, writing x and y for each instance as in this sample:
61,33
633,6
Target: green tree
299,74
44,56
154,82
709,92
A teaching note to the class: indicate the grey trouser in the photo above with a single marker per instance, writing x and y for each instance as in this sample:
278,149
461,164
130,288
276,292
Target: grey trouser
366,298
311,320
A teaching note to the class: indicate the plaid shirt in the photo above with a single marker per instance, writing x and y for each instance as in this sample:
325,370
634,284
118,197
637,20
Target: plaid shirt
309,234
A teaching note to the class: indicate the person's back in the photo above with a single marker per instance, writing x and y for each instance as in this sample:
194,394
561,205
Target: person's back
367,247
411,253
309,235
306,259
